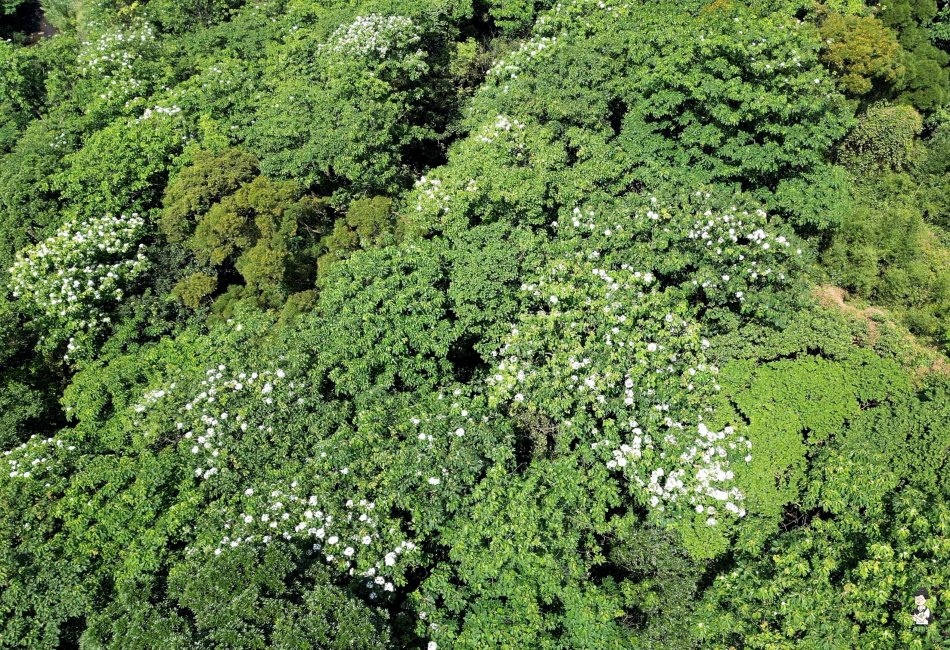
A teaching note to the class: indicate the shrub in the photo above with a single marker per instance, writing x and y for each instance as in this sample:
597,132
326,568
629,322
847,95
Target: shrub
882,140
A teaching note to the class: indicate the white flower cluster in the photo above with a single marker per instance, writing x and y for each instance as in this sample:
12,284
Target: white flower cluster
702,476
160,110
25,460
348,536
559,25
529,50
375,35
111,49
152,397
743,251
623,356
71,276
60,142
208,425
218,81
429,192
112,59
502,124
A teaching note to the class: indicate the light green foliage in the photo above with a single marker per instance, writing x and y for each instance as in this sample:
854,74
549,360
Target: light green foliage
861,51
889,255
61,14
884,540
123,166
195,288
469,61
793,408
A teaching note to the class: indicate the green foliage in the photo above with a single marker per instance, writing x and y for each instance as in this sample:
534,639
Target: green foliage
928,76
177,16
521,566
908,13
9,7
926,83
468,325
384,323
882,140
932,171
361,100
123,166
515,16
21,79
29,206
940,28
368,223
747,104
192,191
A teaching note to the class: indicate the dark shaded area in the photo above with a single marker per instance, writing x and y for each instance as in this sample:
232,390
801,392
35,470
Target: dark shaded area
27,25
71,629
465,360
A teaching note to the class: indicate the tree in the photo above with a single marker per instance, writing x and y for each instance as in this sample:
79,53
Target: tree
365,93
861,51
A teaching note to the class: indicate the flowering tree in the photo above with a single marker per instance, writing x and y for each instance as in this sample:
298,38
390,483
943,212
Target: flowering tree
608,351
69,281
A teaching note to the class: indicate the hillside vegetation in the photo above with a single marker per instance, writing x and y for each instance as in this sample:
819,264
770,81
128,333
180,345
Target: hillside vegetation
447,324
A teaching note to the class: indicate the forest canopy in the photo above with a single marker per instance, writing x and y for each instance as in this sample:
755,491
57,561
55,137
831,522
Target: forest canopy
449,324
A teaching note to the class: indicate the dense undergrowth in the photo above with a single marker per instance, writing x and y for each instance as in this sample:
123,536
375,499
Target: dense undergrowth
440,324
